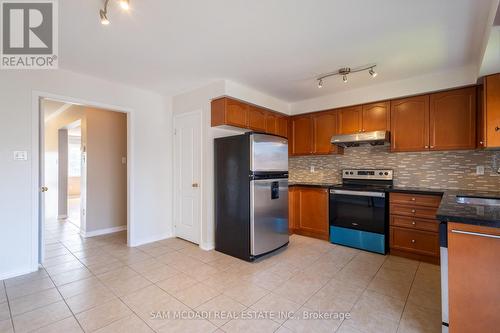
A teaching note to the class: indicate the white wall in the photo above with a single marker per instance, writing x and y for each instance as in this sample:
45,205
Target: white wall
199,99
389,90
151,131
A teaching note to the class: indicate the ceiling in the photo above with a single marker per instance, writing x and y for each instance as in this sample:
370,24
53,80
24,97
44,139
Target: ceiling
275,46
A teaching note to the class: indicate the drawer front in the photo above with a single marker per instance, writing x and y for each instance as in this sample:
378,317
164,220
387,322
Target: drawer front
414,211
415,223
415,199
421,242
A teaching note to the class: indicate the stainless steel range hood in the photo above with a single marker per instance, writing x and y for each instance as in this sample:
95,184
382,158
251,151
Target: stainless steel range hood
353,140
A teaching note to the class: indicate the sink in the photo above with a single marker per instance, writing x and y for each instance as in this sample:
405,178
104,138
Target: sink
478,201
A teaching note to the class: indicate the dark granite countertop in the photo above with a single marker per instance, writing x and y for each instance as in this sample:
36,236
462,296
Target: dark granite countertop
416,190
483,215
449,210
311,184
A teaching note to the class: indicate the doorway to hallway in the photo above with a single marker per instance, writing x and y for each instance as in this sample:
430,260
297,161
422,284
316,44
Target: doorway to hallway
83,164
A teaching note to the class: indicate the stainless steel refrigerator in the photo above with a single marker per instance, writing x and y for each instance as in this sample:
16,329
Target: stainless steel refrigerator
251,194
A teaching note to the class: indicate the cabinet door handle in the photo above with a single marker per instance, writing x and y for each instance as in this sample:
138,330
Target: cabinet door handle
497,128
474,234
426,147
413,199
413,211
413,241
432,147
413,223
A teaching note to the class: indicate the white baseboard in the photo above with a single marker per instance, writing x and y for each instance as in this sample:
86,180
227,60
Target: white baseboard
106,231
11,274
152,239
207,246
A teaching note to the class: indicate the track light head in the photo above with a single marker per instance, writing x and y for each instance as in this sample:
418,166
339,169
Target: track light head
104,17
320,83
372,72
125,4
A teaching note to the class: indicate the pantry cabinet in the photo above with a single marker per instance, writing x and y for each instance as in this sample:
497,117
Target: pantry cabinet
410,124
308,211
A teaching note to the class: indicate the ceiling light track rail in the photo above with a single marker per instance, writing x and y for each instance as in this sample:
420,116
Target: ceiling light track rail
345,71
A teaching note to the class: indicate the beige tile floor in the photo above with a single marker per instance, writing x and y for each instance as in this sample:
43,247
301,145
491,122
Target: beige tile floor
100,285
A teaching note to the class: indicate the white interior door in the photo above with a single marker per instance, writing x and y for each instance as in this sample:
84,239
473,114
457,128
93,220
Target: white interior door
187,176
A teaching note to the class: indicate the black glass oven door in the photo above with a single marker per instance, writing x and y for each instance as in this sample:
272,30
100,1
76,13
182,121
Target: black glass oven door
360,211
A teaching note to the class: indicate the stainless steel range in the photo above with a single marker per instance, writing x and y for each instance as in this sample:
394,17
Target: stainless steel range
359,209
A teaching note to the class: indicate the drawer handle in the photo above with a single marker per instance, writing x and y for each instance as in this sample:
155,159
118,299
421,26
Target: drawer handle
413,211
413,223
413,199
474,234
413,241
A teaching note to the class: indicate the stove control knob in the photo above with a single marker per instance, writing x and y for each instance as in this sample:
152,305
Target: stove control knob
380,173
386,173
352,173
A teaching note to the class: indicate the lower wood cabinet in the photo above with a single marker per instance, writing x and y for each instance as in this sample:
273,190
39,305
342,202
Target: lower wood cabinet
308,211
414,230
473,278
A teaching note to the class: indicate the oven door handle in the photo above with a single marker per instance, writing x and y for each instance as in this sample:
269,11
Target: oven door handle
359,193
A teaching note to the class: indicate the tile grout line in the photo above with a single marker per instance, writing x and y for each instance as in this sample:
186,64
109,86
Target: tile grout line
8,305
408,296
64,300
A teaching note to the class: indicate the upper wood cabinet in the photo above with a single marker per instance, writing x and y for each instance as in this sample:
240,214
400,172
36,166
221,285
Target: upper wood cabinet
364,118
257,118
376,117
410,124
350,120
324,127
302,135
312,134
453,119
228,111
308,211
489,112
271,123
282,126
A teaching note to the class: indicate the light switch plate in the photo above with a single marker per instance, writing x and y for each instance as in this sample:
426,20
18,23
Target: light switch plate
124,160
480,170
20,155
312,169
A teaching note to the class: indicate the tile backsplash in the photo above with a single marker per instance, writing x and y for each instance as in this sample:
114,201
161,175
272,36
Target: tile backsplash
440,170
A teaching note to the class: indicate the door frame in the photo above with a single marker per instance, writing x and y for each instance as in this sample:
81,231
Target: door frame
37,167
201,181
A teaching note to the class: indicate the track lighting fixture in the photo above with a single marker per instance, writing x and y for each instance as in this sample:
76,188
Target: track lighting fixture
103,13
125,4
345,71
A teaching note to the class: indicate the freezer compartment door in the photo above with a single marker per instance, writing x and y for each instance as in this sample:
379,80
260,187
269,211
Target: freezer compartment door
268,215
268,153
